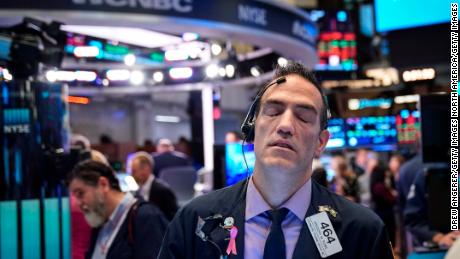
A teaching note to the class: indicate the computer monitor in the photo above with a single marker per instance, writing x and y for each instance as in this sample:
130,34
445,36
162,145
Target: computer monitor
376,132
337,140
236,168
435,128
396,15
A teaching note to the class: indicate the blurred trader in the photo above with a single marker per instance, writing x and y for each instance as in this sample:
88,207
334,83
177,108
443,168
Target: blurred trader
151,188
123,227
416,217
167,157
279,212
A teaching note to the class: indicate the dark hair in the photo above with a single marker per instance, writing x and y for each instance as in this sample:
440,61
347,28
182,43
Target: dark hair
378,175
295,68
90,171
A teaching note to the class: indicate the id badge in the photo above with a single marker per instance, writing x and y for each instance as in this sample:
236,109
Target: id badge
324,235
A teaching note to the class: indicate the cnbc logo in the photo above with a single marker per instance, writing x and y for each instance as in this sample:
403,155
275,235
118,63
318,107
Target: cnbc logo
16,121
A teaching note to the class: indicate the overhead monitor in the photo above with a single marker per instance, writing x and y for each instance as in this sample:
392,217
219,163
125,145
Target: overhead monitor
377,132
336,46
404,14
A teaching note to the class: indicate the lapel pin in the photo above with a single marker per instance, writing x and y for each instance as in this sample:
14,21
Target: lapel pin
229,222
327,209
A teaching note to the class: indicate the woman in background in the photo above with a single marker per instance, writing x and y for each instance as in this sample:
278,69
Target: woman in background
384,198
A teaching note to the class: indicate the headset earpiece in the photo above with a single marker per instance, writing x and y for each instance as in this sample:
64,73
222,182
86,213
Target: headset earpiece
247,128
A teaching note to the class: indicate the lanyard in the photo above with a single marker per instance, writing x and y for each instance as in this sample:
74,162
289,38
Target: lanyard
111,228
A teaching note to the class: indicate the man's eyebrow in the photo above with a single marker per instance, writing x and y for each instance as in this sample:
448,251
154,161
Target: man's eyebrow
276,102
301,106
307,107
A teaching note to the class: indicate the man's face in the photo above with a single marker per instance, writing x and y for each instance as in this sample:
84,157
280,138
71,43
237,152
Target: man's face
287,131
90,200
394,165
140,172
361,158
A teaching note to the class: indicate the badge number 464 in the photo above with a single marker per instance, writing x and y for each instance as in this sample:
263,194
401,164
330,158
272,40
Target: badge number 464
323,234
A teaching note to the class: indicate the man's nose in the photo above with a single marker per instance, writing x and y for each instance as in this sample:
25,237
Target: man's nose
286,124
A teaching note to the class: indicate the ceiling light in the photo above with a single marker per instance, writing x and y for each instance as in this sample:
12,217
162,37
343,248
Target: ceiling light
118,74
212,70
87,76
282,62
130,60
164,118
137,77
133,36
51,76
255,71
86,51
180,72
67,76
230,70
158,76
176,54
222,72
190,36
216,49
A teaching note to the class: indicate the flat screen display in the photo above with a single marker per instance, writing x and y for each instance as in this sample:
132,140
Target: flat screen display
372,131
408,126
336,127
403,14
435,128
235,166
336,40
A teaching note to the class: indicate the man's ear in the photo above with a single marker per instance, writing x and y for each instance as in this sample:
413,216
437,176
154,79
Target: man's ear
322,141
103,183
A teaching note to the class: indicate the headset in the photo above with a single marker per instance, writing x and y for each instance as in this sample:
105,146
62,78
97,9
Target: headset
247,128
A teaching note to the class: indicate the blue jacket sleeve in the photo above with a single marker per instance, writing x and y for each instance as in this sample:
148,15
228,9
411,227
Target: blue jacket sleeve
416,211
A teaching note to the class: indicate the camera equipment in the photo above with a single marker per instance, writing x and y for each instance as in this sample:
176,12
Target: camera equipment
25,46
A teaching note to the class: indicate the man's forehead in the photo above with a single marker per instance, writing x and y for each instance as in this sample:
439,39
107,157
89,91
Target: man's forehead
77,184
301,89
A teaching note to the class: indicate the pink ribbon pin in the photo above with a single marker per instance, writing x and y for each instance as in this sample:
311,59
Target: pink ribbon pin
232,244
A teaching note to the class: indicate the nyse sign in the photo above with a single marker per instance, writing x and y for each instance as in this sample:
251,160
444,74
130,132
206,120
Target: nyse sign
12,129
300,30
182,6
252,14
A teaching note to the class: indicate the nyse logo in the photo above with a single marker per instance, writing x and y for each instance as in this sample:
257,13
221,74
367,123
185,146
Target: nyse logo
301,30
181,6
16,129
16,121
251,14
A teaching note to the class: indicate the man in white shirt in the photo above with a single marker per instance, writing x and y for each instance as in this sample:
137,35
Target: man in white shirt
151,188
